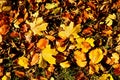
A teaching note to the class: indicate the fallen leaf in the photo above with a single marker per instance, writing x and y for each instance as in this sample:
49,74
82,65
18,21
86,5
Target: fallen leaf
106,77
35,59
42,43
48,53
23,61
65,64
51,5
96,55
19,73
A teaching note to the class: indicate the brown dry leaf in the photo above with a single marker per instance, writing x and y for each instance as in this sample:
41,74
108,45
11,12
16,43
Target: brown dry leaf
14,34
19,73
92,5
1,71
42,43
35,59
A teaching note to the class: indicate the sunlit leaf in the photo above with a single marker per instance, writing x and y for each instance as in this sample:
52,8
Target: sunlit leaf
80,58
96,55
109,19
65,64
4,77
41,62
51,5
48,54
106,77
69,30
38,25
23,61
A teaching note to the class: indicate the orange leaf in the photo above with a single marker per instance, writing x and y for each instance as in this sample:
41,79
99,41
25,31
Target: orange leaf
35,59
42,43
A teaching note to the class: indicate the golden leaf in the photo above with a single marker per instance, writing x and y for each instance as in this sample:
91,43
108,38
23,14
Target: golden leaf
106,77
41,62
48,53
23,61
4,77
69,30
85,44
37,25
65,64
51,5
80,58
116,57
109,19
96,55
81,63
90,41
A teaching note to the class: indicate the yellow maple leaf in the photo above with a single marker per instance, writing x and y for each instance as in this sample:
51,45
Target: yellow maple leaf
23,61
69,30
47,54
106,77
96,55
37,25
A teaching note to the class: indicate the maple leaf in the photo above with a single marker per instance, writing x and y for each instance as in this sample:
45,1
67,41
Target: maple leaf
47,54
38,25
69,30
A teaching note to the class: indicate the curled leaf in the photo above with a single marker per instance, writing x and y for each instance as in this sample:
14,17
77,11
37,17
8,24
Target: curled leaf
65,64
96,55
